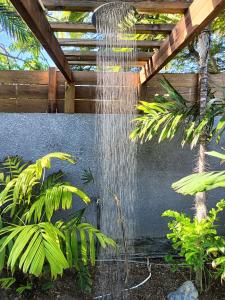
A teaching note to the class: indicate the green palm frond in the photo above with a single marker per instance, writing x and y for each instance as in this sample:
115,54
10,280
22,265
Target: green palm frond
52,199
34,246
201,182
6,283
87,176
173,93
29,241
12,166
11,22
167,115
80,242
22,186
220,128
158,119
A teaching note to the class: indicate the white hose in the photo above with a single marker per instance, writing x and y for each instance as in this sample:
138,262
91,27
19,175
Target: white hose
133,287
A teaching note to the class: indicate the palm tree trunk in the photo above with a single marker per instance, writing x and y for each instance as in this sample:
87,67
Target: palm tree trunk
204,51
200,199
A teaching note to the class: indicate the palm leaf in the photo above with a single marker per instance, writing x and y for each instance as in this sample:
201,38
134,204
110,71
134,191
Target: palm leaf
201,182
166,115
6,283
53,198
12,23
33,246
80,242
173,93
22,186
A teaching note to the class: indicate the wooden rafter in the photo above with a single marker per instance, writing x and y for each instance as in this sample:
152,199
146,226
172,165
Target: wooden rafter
198,16
95,43
33,14
141,6
94,63
91,55
88,27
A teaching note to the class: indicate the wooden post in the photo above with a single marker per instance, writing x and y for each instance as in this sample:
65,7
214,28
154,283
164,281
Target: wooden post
52,90
69,106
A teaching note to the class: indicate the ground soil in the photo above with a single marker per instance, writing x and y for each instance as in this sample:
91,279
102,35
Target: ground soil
163,281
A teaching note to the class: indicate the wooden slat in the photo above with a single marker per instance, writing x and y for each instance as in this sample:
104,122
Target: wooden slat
87,27
177,80
95,43
8,105
23,77
69,105
90,78
198,16
52,90
142,6
23,105
91,55
94,63
31,106
33,14
29,91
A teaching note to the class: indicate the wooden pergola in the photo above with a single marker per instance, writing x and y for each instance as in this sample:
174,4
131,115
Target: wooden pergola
196,15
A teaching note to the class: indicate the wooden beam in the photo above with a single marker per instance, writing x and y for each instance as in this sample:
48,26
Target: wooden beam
33,14
69,105
91,55
95,43
94,63
142,6
52,90
198,16
87,27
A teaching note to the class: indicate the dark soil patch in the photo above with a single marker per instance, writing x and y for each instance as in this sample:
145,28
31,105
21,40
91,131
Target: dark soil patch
162,282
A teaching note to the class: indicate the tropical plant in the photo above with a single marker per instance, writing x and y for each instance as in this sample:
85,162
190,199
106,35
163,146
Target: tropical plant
30,240
206,181
195,240
195,183
168,114
12,23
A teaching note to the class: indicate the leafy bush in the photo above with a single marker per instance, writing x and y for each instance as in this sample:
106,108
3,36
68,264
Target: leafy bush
198,241
30,240
193,239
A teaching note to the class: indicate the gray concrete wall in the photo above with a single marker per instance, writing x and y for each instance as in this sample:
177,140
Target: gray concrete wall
34,135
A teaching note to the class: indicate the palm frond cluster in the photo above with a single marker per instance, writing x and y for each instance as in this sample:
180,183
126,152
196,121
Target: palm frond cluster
12,23
30,239
167,115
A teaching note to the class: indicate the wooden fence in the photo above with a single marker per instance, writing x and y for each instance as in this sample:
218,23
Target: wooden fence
35,91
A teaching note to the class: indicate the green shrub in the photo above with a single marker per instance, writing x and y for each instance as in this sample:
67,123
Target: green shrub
31,240
193,239
198,241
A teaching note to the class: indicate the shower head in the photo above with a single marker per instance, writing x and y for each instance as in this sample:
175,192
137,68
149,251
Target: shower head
128,14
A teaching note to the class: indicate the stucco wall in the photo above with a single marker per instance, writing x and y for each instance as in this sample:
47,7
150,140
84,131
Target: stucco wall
34,135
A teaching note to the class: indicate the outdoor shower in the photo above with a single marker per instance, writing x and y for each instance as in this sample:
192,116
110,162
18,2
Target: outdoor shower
117,92
127,14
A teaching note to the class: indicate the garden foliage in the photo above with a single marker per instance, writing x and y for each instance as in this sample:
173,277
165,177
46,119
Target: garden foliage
33,240
168,114
198,241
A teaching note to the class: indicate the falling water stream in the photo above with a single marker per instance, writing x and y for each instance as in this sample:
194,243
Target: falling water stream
117,96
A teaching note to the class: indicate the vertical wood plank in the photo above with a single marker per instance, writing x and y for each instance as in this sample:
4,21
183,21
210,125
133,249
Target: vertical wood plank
52,90
69,106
